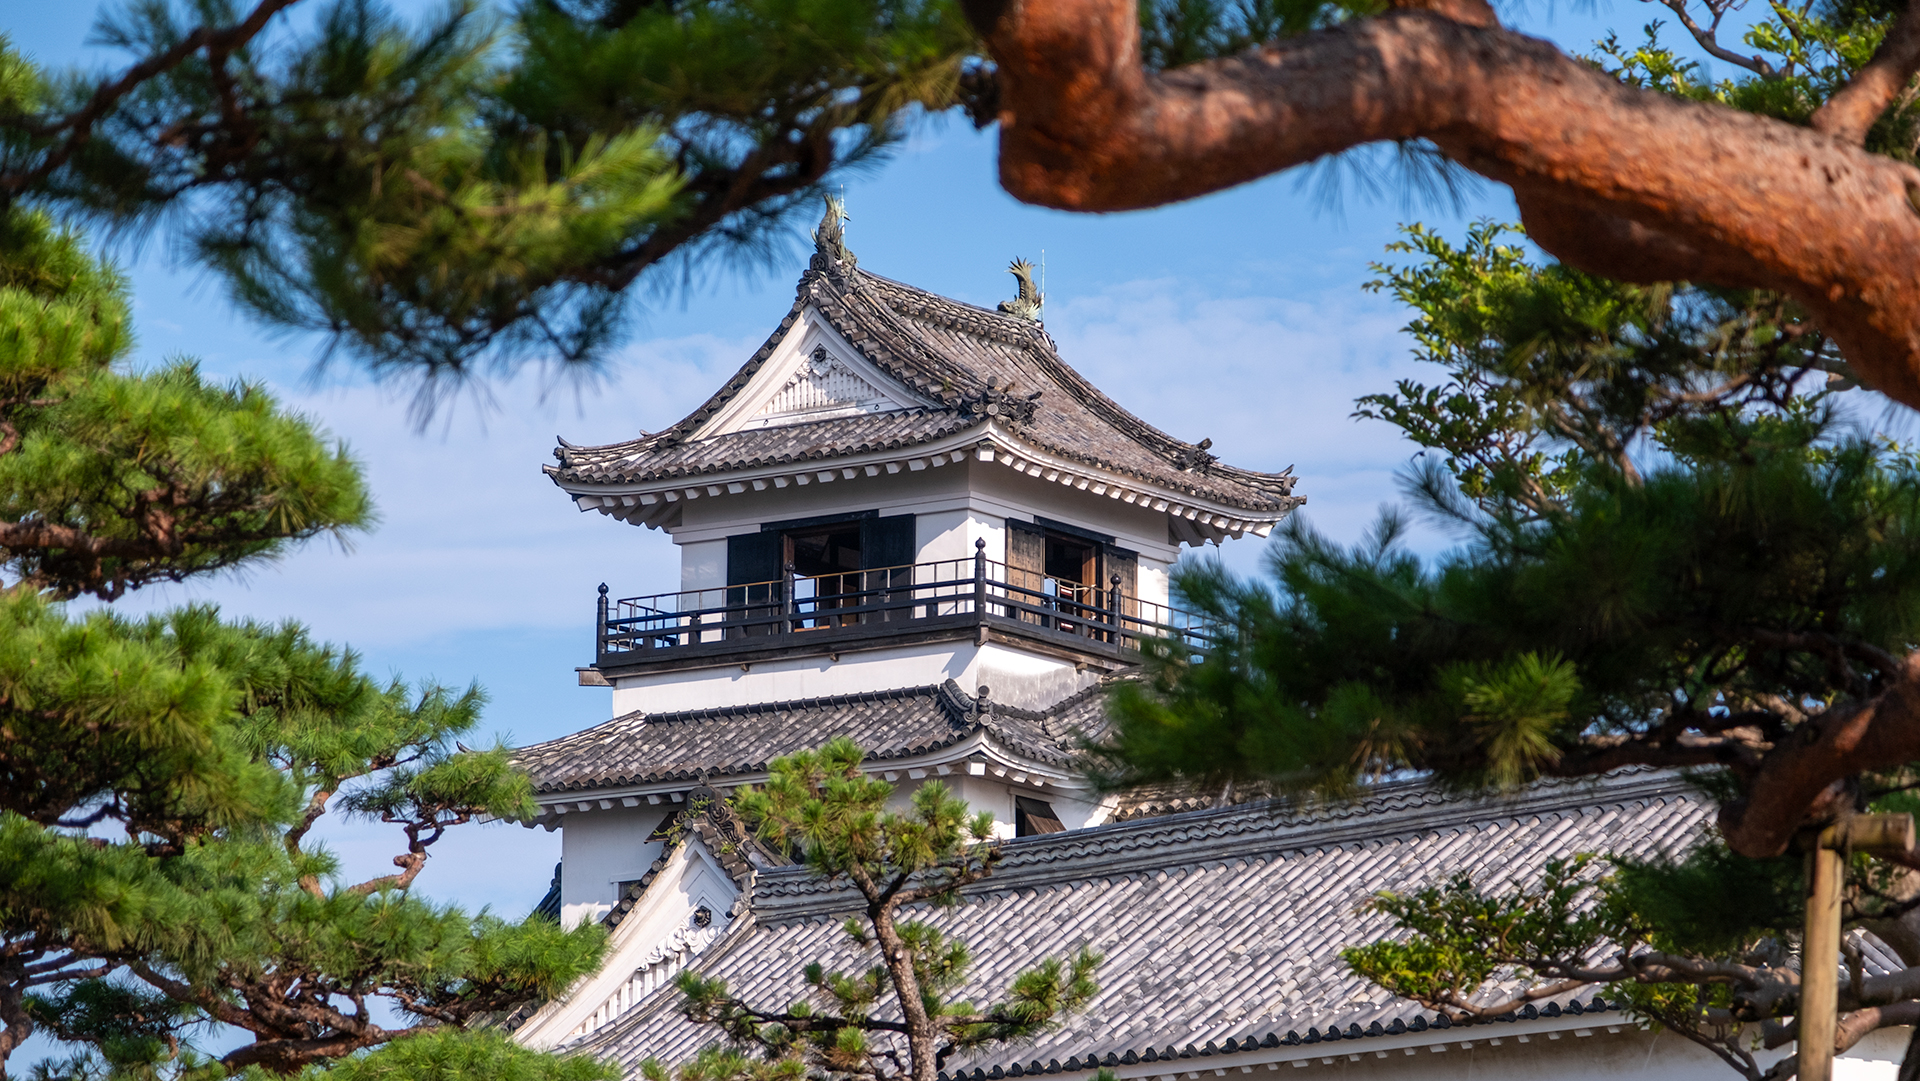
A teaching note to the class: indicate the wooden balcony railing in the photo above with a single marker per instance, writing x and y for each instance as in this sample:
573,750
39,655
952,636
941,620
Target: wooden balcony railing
797,609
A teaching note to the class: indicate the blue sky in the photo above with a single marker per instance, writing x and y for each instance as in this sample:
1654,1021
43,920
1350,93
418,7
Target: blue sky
1238,317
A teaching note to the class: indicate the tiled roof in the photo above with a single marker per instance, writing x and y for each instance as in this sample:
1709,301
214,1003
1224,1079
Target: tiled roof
944,351
1221,928
638,748
649,459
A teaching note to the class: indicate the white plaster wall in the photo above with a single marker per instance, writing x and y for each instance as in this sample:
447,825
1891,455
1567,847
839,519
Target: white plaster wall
599,849
689,880
991,794
1013,676
943,534
703,564
1600,1056
906,492
1131,525
955,505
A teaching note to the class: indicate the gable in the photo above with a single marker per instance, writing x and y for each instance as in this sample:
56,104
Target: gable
813,374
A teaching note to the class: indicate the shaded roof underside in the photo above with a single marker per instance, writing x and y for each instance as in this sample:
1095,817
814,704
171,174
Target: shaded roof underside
945,351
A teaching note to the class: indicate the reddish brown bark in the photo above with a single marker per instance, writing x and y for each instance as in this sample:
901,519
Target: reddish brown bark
1849,113
1804,778
1614,180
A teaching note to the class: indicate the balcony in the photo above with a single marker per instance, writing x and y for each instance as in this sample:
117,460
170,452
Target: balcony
798,614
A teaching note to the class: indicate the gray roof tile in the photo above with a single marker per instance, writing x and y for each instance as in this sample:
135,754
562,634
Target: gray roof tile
1218,925
945,351
639,748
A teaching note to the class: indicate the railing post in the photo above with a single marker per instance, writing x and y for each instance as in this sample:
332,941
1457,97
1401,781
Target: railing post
980,578
786,602
1113,607
600,627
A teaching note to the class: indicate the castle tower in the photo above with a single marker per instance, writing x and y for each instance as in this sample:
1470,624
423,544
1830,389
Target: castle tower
905,519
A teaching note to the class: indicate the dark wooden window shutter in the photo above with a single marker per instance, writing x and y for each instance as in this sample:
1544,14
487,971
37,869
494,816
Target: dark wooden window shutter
887,542
1026,564
753,558
1031,816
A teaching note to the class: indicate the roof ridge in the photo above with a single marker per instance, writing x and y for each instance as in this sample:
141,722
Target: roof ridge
1038,342
1016,329
1246,830
745,708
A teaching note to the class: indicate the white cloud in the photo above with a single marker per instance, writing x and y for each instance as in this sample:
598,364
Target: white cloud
1270,380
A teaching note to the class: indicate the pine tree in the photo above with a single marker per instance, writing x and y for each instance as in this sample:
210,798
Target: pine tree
160,778
479,189
1675,553
821,805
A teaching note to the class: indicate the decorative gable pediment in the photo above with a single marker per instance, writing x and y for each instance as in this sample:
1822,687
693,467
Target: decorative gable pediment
813,375
823,384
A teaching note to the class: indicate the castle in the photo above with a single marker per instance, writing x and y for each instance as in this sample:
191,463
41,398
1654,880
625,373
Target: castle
907,520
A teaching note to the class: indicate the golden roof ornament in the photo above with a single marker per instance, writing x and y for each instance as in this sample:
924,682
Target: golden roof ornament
1027,304
830,236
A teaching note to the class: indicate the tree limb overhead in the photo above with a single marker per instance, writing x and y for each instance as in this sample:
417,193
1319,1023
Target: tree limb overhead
1716,195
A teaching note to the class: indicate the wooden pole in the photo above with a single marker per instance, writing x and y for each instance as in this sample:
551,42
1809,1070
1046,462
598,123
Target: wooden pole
1819,1010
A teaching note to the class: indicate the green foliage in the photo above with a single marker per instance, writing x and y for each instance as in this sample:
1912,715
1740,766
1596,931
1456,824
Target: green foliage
160,776
1695,945
1801,57
1709,902
111,480
250,927
474,191
127,1025
836,815
1551,372
451,1055
1673,555
1460,938
821,804
1642,611
1178,32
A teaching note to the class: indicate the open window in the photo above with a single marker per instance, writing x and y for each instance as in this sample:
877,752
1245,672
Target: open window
1062,577
840,570
1032,816
826,567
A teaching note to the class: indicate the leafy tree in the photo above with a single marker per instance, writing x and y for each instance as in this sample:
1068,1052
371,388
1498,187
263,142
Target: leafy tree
478,189
859,1023
1674,555
161,778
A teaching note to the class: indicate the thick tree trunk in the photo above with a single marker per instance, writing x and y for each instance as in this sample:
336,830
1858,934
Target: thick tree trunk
1614,180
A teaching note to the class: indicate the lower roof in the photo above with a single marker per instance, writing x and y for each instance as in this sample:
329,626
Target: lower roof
1221,928
739,741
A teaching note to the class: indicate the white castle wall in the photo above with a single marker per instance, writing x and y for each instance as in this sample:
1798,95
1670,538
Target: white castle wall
956,505
599,849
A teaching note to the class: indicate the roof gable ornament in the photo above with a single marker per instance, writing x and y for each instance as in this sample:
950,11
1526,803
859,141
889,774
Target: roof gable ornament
830,237
1195,459
998,403
1027,304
